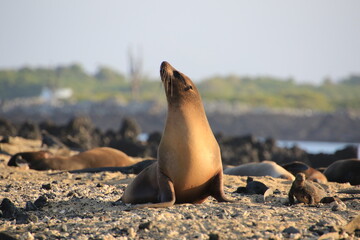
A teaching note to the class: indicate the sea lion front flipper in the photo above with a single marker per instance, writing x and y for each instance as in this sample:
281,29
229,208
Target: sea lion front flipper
166,192
217,188
291,197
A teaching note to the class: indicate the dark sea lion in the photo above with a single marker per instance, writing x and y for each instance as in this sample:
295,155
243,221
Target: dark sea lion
255,187
310,173
305,191
97,157
189,167
264,168
343,171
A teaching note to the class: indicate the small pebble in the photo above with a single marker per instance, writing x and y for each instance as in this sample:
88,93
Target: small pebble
131,232
64,228
214,236
8,209
27,236
30,206
41,201
46,186
291,230
146,225
339,206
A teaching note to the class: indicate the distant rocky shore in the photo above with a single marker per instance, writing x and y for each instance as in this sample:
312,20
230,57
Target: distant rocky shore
227,119
80,134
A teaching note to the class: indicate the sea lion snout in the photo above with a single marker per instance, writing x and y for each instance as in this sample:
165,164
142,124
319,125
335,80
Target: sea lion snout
166,69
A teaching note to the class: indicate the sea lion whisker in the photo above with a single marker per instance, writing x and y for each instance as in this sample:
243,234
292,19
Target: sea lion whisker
171,87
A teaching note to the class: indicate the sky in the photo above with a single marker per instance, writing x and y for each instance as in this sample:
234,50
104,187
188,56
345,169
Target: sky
304,40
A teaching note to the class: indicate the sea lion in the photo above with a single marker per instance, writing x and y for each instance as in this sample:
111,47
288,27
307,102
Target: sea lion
255,187
264,168
305,191
252,187
343,171
310,173
189,167
133,169
94,158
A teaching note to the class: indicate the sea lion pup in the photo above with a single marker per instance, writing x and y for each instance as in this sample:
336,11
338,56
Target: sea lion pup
189,167
94,158
305,191
343,171
264,168
310,173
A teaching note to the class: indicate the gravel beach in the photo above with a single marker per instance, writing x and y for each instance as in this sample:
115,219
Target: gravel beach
81,206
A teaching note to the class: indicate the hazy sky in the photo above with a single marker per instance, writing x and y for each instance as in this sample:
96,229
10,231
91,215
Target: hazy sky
306,40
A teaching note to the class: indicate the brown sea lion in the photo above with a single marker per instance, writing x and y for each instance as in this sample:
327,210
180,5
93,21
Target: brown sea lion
189,167
132,169
343,171
310,173
94,158
264,168
305,191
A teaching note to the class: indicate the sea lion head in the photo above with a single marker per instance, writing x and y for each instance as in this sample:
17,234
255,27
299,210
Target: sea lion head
28,158
178,87
300,179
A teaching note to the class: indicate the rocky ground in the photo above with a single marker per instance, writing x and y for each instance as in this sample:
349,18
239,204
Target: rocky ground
80,206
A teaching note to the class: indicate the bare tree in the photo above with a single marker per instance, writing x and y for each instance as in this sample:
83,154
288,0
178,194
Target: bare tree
135,71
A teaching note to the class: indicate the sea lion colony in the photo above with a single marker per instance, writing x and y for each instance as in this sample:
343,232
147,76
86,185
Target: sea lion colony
178,98
170,182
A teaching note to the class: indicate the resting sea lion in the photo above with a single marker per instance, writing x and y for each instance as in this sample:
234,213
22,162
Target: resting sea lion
343,171
264,168
97,157
310,173
189,167
305,191
132,169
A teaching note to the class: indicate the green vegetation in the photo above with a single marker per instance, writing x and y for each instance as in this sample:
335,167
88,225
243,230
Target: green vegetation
250,91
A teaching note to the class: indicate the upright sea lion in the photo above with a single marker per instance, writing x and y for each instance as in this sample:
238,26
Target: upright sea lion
305,191
310,173
189,167
94,158
343,171
264,168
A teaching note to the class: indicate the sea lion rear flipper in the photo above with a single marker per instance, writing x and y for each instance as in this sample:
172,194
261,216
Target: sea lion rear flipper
217,189
166,192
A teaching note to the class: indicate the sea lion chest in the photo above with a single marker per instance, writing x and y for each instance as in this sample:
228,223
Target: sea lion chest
188,153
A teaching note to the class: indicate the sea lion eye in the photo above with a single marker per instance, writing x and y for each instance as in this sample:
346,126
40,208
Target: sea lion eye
176,74
188,87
